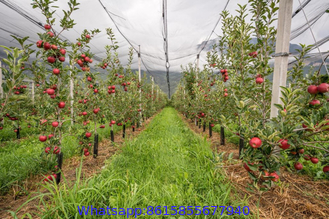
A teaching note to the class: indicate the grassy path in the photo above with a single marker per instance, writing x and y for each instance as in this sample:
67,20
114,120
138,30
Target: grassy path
167,165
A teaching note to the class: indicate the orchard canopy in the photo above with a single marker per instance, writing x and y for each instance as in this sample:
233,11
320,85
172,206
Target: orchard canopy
190,27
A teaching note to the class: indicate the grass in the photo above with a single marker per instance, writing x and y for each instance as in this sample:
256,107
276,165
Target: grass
22,159
167,165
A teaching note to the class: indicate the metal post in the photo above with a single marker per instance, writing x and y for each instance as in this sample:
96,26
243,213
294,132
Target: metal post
95,146
222,136
32,89
140,82
282,52
71,95
1,90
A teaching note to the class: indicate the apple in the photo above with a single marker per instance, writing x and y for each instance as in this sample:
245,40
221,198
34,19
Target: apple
61,58
255,142
307,157
54,47
50,136
46,46
78,43
283,143
326,169
315,102
259,80
88,36
47,26
86,154
80,62
246,167
84,113
61,104
298,166
225,94
51,34
312,89
55,124
88,134
96,110
112,122
47,149
87,59
62,51
50,91
275,175
51,59
56,71
39,43
56,150
301,151
95,91
212,125
42,138
314,160
323,88
102,126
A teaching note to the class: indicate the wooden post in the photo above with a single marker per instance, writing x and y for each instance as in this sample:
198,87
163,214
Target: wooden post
1,90
282,53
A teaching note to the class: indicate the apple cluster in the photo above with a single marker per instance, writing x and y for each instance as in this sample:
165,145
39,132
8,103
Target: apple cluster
19,89
224,74
314,90
83,62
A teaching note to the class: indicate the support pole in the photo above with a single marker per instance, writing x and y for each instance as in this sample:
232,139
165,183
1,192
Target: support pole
71,95
112,134
282,53
59,165
241,145
140,82
152,93
95,146
32,91
222,136
1,90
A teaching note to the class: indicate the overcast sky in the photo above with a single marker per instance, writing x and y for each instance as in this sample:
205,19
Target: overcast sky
189,23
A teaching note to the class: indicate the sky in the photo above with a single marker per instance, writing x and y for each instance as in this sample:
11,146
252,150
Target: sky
190,22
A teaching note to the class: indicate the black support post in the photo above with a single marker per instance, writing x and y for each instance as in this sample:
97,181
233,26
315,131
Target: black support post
124,131
210,130
222,136
59,165
241,145
95,145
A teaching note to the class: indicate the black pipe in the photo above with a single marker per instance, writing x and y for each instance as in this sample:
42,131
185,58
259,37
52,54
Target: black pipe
210,130
222,136
59,165
199,123
204,126
95,145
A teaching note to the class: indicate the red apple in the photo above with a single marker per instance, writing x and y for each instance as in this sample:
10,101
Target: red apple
57,150
283,143
39,43
46,46
326,169
312,89
88,36
42,138
315,102
259,80
47,27
298,166
314,160
55,124
323,88
61,58
50,91
51,59
47,149
255,142
54,47
62,51
56,71
61,104
275,175
51,34
301,151
86,154
88,134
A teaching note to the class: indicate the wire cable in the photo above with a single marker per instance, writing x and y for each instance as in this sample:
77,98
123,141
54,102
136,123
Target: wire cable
309,26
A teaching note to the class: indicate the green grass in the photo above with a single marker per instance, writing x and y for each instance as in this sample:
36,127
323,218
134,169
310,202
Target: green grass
167,165
22,159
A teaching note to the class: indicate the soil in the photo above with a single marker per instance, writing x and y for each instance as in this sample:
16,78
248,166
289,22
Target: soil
32,186
297,196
